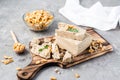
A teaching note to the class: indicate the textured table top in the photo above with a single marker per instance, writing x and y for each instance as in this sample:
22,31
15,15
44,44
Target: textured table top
106,67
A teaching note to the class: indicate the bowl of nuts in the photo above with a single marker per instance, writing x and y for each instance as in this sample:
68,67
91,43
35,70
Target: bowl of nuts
38,20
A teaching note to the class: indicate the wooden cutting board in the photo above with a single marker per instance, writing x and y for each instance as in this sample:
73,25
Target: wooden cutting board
28,72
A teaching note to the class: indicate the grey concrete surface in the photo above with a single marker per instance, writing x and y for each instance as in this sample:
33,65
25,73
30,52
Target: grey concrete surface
106,67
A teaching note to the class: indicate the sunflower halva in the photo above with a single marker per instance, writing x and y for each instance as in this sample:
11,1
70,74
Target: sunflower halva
69,41
72,38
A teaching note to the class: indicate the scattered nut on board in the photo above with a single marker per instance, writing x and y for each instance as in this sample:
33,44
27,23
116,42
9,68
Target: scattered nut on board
77,75
18,69
7,60
43,60
96,45
37,62
53,78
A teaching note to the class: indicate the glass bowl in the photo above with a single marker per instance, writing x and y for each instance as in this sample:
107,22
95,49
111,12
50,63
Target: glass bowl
38,27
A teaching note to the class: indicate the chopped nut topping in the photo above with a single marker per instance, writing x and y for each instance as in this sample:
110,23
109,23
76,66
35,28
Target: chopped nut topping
77,75
47,39
53,78
72,29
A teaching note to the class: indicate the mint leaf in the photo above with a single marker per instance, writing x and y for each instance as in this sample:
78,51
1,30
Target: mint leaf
40,50
72,30
46,47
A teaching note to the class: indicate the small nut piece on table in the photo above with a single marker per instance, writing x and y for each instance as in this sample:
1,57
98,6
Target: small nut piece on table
77,75
7,57
7,60
18,69
18,48
53,78
57,71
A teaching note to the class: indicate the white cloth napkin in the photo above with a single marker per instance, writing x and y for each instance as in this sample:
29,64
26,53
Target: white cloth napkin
97,16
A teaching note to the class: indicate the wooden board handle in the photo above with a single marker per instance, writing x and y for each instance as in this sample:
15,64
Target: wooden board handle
31,70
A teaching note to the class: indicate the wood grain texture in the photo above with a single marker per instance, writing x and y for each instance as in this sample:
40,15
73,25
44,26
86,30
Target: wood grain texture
31,70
